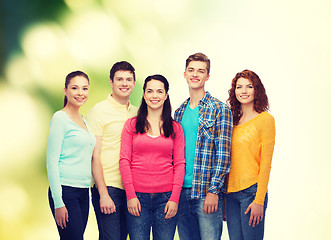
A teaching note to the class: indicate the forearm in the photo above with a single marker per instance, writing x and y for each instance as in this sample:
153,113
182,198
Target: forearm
98,177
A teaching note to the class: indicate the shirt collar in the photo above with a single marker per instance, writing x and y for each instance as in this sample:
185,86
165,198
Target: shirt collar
117,104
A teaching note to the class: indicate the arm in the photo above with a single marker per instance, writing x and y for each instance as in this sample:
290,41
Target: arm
179,171
54,147
107,205
267,147
222,144
125,168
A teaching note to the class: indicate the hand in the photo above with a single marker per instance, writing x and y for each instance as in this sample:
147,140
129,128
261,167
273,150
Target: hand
61,217
134,207
256,213
211,203
107,205
170,209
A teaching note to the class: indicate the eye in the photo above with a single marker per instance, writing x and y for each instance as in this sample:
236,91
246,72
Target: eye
85,88
129,80
73,88
238,87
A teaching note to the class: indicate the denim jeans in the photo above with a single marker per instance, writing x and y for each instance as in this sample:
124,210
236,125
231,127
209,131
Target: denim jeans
76,200
236,204
111,226
193,223
152,215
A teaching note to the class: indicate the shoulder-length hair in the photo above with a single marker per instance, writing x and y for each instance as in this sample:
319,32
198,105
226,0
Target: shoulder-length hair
261,102
142,125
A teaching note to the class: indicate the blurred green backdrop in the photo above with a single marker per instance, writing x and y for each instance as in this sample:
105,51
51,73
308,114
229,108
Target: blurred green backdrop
286,42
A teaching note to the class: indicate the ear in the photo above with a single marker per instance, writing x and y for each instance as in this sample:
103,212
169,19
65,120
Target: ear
111,83
207,77
65,91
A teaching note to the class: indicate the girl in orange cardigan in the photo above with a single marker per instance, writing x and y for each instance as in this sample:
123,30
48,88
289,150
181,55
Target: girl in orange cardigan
253,142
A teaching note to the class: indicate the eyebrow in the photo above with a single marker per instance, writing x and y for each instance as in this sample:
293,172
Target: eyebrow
245,85
204,69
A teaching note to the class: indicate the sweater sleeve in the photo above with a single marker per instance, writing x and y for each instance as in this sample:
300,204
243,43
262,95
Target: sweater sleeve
55,139
223,135
267,148
126,158
178,162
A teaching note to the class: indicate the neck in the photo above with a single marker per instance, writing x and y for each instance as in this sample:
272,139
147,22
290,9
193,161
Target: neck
122,101
154,115
70,109
247,109
195,96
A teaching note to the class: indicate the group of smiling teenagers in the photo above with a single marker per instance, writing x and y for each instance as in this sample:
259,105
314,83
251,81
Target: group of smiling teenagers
147,170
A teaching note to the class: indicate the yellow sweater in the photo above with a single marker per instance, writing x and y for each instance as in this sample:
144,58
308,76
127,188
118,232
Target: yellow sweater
251,154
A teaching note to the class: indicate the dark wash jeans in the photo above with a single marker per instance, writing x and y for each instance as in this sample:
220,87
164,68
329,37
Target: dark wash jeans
76,201
152,216
236,204
111,226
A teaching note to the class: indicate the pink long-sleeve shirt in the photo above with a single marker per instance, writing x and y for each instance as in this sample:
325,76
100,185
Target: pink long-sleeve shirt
152,164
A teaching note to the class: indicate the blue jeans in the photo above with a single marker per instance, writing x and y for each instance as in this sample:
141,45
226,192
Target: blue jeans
152,215
111,226
193,223
76,200
236,204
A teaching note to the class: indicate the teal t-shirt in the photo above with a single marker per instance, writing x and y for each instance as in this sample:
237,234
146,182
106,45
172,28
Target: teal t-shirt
190,125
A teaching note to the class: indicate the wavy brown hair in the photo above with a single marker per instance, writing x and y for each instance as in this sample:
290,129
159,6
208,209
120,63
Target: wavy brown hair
261,102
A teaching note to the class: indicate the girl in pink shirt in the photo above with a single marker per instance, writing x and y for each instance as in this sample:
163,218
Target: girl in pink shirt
152,164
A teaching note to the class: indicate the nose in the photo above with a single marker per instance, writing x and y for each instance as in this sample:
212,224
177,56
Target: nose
80,91
124,82
244,90
154,94
195,73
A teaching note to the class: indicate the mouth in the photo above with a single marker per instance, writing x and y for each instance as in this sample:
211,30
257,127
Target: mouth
124,89
154,101
195,79
79,99
244,96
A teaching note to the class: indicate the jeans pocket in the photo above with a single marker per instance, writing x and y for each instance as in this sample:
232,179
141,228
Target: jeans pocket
68,189
166,195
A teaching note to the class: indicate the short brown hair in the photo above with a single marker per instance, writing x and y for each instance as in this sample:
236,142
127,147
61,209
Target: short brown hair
199,57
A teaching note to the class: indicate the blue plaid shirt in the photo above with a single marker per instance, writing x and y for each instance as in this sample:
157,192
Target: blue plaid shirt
213,147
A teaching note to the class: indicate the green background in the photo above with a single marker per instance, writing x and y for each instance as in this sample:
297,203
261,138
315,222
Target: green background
287,43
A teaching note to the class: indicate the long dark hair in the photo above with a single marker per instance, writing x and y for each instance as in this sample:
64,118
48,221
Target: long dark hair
142,125
261,102
68,79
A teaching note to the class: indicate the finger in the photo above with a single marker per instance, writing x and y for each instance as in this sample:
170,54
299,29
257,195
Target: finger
166,209
257,220
59,222
247,210
250,220
139,207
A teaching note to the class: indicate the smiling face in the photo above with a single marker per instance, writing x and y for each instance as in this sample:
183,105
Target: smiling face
155,95
122,85
77,91
196,74
244,91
